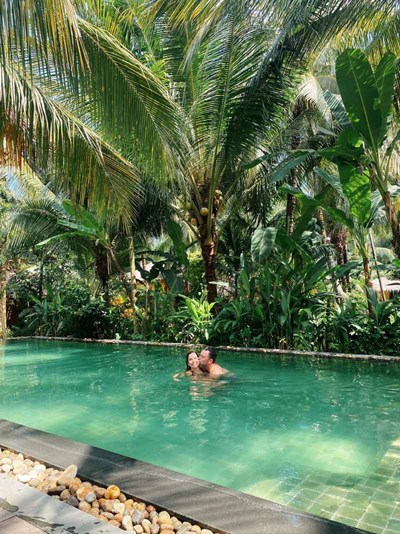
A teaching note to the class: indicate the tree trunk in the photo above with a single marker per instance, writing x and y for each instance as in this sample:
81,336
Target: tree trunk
394,223
208,252
133,284
291,205
293,182
3,303
368,283
339,240
101,266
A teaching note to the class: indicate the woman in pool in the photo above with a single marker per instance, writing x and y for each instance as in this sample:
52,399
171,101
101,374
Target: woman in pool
192,366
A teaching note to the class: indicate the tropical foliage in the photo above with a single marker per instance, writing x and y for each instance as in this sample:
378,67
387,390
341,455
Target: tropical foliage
217,171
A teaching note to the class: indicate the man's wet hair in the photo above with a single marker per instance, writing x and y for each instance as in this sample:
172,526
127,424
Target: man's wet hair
212,352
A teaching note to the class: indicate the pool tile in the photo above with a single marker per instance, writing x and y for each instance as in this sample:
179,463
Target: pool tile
370,528
381,508
376,519
394,524
345,520
351,512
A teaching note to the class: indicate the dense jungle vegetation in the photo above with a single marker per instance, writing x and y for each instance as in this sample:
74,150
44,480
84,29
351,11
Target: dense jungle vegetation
205,171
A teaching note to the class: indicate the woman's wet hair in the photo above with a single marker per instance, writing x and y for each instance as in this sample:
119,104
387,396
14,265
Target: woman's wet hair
187,359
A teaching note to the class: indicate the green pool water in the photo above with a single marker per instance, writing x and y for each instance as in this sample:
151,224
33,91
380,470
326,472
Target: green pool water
321,436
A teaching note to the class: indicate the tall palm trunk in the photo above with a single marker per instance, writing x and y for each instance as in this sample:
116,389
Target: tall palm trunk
102,268
208,244
3,302
293,182
339,240
291,204
133,284
394,223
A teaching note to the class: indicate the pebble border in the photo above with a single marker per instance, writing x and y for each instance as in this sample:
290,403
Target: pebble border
257,350
109,504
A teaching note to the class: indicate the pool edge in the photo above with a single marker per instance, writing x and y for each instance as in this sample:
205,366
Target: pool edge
214,506
317,354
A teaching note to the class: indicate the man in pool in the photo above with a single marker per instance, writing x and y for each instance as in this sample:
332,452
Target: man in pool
207,363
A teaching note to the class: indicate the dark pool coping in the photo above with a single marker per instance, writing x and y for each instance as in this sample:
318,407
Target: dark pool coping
257,350
210,505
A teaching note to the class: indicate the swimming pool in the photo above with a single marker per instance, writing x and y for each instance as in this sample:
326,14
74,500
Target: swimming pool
321,436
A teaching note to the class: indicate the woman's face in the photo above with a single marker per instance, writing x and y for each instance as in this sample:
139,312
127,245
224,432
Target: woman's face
193,360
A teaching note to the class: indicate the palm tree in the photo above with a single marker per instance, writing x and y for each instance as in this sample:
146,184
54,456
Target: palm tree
87,88
240,67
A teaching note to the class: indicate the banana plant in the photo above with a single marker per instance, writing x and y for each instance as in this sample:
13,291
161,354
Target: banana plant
362,206
367,96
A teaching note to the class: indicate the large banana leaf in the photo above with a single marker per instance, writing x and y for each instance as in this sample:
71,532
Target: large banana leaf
384,75
262,243
356,188
360,94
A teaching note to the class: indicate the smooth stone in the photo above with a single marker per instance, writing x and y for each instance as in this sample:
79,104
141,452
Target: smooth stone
65,494
126,523
150,508
73,487
84,506
114,523
33,483
146,526
94,511
206,531
6,468
72,501
122,497
90,497
106,505
118,517
183,529
140,506
102,518
20,468
168,532
56,490
155,529
24,478
67,476
99,492
153,514
119,508
95,504
5,461
112,492
108,515
167,527
137,517
196,528
39,468
138,529
83,491
164,517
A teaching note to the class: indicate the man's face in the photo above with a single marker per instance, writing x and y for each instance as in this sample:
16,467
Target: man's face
204,358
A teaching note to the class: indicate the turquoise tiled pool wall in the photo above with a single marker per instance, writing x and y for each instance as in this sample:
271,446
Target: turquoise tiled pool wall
371,503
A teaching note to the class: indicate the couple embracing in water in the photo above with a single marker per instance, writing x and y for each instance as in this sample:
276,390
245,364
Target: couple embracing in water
203,365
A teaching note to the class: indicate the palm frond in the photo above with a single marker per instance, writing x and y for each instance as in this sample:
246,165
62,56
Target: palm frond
39,128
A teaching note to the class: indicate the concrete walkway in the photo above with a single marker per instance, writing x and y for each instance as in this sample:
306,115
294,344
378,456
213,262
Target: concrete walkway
24,510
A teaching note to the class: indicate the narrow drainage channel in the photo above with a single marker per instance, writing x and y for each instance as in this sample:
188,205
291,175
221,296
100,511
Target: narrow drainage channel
107,504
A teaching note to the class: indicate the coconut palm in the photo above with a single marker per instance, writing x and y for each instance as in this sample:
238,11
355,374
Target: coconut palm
88,88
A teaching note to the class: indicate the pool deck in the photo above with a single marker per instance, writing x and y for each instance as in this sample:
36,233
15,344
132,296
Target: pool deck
216,507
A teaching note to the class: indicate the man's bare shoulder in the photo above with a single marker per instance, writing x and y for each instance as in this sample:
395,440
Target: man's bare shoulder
217,370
